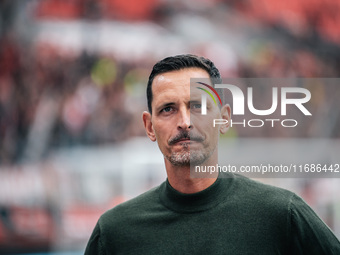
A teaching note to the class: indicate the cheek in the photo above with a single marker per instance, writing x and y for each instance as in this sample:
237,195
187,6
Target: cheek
206,127
161,131
205,122
201,122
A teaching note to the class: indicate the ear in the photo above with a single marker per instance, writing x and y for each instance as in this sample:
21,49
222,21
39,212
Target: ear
148,126
226,114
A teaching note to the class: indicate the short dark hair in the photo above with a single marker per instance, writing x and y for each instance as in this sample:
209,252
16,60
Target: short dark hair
180,62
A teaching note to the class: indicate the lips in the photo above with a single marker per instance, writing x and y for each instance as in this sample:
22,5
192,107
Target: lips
183,141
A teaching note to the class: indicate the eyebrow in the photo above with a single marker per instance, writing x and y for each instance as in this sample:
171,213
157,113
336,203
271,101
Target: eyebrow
195,101
164,105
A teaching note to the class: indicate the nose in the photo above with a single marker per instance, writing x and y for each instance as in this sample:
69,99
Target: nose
184,119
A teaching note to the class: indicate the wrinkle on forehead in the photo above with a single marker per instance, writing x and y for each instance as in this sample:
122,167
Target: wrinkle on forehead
175,85
182,75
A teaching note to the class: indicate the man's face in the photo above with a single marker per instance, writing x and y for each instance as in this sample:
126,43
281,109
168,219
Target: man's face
183,134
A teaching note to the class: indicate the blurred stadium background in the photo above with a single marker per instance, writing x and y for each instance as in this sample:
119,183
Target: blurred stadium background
72,88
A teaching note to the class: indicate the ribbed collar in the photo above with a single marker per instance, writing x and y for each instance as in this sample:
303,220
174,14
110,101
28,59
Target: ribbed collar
196,202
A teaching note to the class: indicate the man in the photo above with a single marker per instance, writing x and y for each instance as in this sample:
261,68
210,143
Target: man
186,215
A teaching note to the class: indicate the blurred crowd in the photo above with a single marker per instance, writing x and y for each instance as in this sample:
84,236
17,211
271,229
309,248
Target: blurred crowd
60,100
50,99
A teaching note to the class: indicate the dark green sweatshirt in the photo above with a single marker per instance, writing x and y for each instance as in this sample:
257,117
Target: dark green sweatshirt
235,215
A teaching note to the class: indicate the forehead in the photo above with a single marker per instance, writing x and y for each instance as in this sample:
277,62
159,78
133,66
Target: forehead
177,81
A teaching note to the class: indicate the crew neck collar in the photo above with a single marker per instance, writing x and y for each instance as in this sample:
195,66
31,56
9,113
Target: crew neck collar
190,203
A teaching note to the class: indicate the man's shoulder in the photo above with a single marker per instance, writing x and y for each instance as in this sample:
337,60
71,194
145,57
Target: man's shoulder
267,195
137,205
257,187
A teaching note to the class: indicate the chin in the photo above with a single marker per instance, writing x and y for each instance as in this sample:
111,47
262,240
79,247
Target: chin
187,158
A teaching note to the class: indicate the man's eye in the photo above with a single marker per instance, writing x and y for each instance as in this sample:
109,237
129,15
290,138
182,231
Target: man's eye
195,106
167,109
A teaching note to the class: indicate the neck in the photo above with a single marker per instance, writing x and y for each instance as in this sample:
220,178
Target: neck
180,179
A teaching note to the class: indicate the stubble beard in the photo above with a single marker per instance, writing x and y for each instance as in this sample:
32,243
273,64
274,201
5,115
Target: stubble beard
188,157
